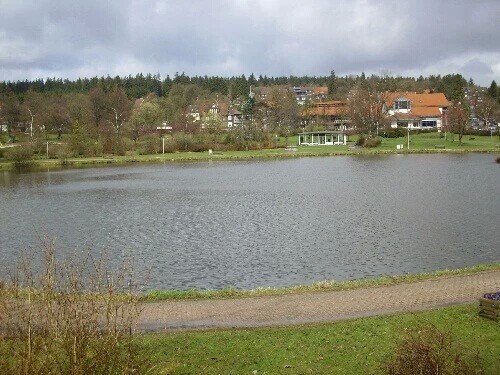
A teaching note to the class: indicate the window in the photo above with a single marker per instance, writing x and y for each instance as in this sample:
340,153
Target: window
401,104
429,123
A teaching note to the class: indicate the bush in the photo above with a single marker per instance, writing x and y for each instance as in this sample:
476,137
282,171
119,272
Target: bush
478,132
20,155
93,148
150,144
121,145
67,318
426,350
393,133
371,142
367,142
63,153
183,141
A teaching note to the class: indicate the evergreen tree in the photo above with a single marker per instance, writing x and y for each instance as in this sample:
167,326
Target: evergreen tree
331,83
493,90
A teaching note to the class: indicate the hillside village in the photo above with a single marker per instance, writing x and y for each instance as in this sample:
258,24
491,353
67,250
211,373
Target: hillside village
199,113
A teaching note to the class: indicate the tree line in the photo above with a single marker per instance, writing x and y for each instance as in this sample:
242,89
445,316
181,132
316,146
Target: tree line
113,115
142,84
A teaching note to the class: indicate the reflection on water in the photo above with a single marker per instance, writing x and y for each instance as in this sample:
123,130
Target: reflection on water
265,223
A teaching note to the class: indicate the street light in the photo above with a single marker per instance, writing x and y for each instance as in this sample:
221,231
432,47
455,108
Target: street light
408,136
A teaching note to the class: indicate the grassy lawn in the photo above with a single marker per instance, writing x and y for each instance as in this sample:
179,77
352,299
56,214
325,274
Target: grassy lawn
426,141
348,347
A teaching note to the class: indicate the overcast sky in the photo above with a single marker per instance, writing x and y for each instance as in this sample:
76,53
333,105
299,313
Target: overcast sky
85,38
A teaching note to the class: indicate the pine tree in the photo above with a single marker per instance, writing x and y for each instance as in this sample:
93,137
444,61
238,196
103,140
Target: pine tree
493,90
331,83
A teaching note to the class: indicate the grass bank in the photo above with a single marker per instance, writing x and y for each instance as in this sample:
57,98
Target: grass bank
159,295
349,347
419,143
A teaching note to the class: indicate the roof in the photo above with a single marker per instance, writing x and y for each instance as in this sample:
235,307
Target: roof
328,108
437,99
323,132
320,90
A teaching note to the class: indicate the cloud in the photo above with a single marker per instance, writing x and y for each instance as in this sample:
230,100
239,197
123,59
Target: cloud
228,37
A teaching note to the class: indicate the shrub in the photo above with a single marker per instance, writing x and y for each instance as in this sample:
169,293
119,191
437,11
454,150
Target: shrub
64,153
183,141
367,142
393,133
426,350
121,145
486,132
67,318
371,142
20,155
150,144
93,148
361,140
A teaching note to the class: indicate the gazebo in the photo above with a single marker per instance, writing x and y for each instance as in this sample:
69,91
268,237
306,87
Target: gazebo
322,138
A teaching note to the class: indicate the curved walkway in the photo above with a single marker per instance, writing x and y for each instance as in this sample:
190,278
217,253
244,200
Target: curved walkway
317,307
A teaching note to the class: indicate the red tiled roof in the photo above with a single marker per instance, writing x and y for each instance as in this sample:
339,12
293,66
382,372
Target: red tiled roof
426,111
328,108
437,99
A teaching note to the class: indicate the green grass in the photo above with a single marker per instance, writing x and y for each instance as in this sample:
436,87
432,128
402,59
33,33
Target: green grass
158,295
348,347
428,141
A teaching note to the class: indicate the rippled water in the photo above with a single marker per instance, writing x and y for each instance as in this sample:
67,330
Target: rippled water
263,223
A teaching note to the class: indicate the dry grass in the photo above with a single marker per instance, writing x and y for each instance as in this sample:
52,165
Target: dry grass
65,318
427,350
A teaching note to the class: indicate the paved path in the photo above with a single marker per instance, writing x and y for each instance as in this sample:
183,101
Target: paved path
317,307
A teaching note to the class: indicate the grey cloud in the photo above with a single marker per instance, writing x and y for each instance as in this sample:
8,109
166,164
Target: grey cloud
229,37
476,67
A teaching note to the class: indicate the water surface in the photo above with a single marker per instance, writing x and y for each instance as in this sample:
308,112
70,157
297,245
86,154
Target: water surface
263,223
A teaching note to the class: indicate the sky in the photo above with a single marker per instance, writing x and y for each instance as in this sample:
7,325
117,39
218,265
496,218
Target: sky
87,38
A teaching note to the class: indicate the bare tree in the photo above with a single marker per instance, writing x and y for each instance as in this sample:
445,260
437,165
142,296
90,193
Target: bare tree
121,108
484,109
458,119
98,107
145,118
366,109
283,112
33,104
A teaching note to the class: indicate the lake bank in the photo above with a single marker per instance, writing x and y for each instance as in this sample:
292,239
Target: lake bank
311,151
423,143
321,286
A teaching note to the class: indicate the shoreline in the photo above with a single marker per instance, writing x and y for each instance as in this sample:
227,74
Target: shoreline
264,154
316,287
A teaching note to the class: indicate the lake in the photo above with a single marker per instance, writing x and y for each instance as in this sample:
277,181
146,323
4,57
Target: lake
248,224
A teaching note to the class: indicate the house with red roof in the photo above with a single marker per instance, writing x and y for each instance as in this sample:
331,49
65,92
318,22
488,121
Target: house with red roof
416,111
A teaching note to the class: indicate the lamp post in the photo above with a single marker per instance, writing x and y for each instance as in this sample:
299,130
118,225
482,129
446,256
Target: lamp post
408,136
